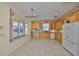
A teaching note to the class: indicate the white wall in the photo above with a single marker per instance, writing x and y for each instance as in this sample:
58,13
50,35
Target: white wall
4,33
6,47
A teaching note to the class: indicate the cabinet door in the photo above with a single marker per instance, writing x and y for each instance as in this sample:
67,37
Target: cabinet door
59,37
44,35
73,17
78,15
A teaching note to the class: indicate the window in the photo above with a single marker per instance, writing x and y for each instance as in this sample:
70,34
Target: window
45,27
26,28
15,29
21,29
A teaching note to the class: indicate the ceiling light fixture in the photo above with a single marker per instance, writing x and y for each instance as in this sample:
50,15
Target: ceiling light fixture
55,14
34,14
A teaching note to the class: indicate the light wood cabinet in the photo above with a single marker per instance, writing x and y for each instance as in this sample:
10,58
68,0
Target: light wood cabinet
78,15
45,35
35,32
72,17
58,28
35,25
58,24
59,36
42,34
52,24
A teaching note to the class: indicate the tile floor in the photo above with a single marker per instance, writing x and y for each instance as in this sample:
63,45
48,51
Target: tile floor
38,47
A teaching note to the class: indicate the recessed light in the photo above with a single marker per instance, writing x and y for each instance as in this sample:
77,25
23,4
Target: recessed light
56,13
34,14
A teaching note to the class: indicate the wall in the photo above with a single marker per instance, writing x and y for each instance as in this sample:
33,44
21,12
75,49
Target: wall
4,33
6,47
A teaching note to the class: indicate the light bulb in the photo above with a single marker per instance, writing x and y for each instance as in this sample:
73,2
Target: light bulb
56,13
34,14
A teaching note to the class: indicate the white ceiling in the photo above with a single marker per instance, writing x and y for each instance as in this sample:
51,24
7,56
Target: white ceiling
45,10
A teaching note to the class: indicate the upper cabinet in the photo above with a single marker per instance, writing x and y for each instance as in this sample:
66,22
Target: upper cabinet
78,15
58,24
52,24
35,25
73,16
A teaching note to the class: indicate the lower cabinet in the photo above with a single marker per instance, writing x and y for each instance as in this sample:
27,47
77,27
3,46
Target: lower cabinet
35,35
59,36
45,35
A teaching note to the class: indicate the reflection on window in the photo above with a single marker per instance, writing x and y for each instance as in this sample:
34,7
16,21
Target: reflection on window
21,29
45,27
15,29
26,28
